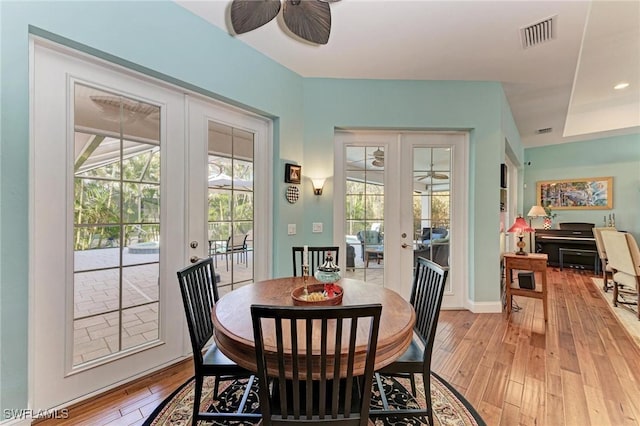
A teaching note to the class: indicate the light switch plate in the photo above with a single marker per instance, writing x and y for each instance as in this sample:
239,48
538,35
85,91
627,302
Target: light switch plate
291,229
317,227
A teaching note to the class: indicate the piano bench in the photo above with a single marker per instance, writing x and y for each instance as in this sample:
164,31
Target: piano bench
580,252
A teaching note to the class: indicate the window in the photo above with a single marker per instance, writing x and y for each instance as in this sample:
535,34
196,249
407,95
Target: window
231,204
116,223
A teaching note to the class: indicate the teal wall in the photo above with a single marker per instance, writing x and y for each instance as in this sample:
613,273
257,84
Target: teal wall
616,156
166,41
159,36
388,104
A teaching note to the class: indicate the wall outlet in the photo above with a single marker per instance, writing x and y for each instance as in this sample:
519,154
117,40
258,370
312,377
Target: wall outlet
291,229
317,227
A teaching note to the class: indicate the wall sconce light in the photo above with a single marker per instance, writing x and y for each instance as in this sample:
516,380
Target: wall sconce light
318,184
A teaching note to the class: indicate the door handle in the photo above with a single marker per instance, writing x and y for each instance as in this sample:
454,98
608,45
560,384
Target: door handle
194,259
405,245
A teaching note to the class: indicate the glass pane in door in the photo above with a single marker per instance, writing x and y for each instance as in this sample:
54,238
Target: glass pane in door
116,224
431,203
364,215
231,204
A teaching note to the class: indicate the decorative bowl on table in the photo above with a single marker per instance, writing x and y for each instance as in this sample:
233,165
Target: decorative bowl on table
318,294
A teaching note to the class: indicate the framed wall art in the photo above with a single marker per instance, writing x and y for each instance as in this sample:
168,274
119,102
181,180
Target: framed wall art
576,194
292,173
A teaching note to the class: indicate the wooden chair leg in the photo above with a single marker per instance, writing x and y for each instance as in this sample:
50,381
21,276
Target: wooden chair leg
412,379
197,394
427,394
216,385
605,285
383,395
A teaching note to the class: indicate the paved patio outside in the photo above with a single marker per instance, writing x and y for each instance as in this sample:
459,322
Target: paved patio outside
96,333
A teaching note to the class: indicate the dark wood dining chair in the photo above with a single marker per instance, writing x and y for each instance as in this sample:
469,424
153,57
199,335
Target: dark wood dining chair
314,393
199,294
316,258
426,298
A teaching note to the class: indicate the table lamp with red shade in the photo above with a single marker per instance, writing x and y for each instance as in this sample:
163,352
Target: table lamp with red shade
520,226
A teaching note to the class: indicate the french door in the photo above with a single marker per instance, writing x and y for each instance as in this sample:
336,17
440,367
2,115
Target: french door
120,198
226,185
102,263
403,196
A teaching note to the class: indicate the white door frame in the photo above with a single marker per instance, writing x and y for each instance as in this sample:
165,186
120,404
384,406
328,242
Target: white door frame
201,110
398,174
456,292
53,378
46,264
512,203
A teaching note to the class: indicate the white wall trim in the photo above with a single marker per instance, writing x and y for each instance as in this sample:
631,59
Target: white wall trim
484,307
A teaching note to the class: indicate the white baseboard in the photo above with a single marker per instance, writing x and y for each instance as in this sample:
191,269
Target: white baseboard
484,307
16,422
477,307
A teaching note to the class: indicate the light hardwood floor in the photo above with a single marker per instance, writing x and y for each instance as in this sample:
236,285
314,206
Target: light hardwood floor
581,369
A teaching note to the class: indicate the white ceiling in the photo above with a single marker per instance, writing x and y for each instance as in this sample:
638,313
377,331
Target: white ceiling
565,84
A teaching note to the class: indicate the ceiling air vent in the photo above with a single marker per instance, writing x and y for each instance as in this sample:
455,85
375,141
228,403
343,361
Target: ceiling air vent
539,33
545,130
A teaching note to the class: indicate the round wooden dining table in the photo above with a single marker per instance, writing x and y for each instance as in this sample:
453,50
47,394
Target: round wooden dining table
234,330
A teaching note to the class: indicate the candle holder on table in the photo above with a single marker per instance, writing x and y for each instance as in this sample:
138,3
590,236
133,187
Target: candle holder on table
305,278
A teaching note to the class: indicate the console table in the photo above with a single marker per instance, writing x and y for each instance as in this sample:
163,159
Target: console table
536,262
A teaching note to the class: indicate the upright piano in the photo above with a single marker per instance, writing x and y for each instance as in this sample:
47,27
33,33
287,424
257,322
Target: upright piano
575,236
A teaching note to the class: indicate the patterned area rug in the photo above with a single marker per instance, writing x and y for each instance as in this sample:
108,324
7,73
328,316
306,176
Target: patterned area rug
450,408
625,314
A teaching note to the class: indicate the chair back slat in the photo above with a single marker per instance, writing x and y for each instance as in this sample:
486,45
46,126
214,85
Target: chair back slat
199,295
426,298
309,365
323,371
317,256
285,403
351,360
296,370
336,370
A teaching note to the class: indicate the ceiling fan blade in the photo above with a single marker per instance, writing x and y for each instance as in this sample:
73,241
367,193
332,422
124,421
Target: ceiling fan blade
431,176
309,19
247,15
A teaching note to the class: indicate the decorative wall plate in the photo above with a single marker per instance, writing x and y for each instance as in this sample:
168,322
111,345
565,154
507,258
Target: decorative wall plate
292,194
